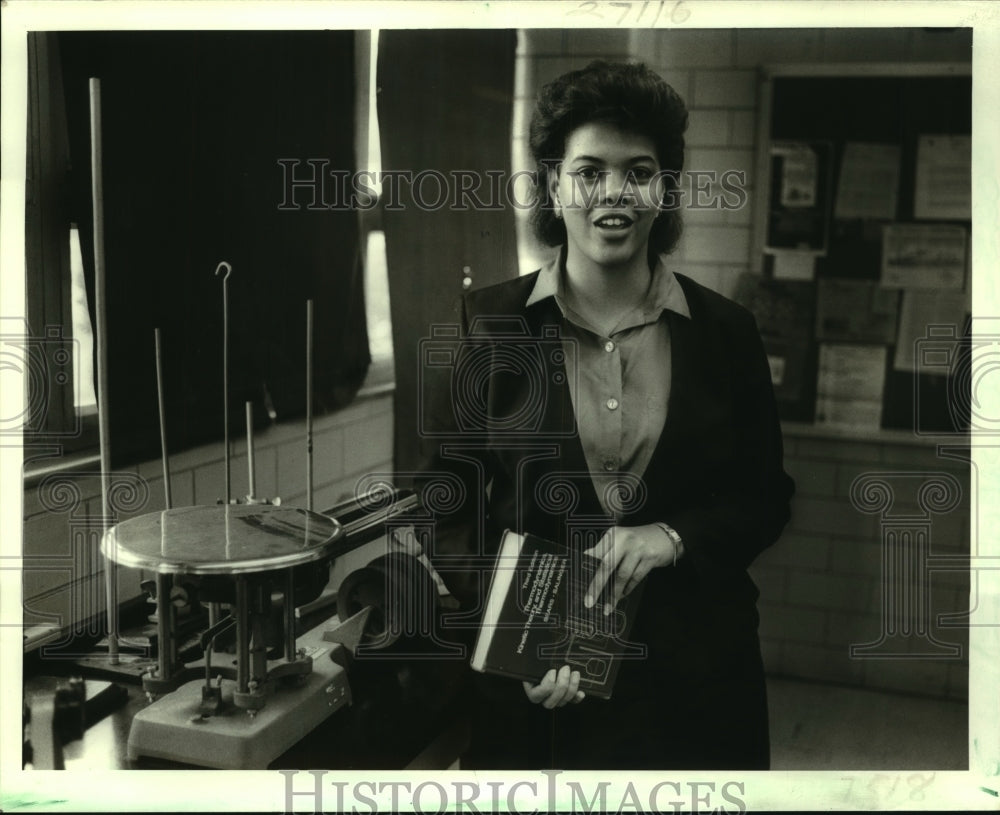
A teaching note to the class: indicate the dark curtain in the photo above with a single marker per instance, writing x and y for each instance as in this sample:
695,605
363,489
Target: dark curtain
51,413
194,126
445,103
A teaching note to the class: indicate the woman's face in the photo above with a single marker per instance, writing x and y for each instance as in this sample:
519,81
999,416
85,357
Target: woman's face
607,191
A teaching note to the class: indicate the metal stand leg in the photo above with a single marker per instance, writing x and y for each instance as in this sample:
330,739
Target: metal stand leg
166,644
289,609
242,637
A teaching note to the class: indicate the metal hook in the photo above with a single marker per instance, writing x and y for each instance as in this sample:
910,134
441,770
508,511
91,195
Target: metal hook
225,365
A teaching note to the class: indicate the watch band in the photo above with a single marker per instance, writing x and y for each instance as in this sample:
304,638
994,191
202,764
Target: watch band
675,538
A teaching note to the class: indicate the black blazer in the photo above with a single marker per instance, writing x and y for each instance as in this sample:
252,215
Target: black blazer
499,419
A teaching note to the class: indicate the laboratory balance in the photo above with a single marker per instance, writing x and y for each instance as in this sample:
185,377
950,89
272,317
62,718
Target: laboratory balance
249,706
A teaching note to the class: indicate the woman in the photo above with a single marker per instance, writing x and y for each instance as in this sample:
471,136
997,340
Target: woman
658,413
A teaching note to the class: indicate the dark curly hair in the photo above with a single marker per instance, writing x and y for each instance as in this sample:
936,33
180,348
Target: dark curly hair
628,95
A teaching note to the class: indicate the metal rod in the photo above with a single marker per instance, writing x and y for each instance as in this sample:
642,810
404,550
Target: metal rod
165,657
223,266
309,405
214,611
163,420
290,578
290,615
103,404
208,636
252,481
208,650
258,643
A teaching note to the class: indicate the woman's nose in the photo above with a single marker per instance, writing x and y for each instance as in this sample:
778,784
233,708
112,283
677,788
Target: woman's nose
620,188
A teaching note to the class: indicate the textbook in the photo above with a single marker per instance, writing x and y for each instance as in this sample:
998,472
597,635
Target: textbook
535,618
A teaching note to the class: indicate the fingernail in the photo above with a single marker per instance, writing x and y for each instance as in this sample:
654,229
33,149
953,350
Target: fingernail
588,600
607,609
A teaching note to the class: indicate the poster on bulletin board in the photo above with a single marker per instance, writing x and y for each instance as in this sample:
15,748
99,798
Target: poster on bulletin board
798,216
869,181
924,313
896,223
855,311
799,176
784,310
944,178
924,256
850,385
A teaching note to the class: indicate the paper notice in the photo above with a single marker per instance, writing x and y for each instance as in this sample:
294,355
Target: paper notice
850,385
857,414
794,265
923,256
944,178
798,175
869,182
919,313
855,311
785,312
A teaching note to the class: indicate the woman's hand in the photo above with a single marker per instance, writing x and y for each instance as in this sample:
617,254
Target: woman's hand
556,689
629,553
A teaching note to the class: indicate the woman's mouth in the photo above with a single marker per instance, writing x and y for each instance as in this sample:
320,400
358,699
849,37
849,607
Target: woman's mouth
615,222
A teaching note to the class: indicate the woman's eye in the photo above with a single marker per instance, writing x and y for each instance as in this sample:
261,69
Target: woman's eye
588,173
642,174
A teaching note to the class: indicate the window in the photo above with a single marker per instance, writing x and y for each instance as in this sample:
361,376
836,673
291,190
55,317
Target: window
377,312
49,355
84,397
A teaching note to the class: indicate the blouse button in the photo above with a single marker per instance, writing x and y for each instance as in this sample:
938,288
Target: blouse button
609,346
609,464
612,403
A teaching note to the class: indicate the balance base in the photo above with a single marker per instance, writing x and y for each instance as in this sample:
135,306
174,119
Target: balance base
171,728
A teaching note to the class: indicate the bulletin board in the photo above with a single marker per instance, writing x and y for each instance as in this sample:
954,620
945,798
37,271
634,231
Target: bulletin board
865,239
